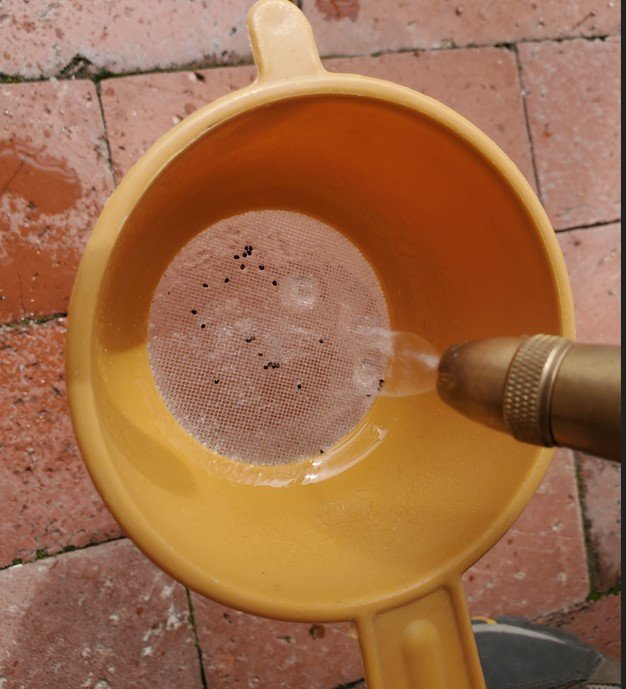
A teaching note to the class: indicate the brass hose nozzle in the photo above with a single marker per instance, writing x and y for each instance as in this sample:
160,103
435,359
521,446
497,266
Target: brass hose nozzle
544,390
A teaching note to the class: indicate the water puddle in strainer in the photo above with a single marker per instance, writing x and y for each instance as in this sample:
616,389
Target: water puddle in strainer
270,339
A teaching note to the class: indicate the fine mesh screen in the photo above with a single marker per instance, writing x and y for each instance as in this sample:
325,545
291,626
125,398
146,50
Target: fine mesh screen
253,337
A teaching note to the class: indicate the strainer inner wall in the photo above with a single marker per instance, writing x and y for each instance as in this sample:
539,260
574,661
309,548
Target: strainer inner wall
459,256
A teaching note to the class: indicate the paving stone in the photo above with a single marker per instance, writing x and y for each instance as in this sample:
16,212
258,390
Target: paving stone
344,27
241,651
602,501
593,258
540,564
100,618
482,84
54,178
596,622
573,100
47,500
40,38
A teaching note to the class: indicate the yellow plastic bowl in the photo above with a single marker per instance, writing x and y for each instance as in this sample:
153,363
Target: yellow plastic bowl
463,250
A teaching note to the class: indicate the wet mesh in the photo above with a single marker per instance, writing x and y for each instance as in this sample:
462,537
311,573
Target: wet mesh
253,337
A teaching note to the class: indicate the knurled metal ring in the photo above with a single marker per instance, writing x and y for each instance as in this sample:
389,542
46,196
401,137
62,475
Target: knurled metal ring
528,388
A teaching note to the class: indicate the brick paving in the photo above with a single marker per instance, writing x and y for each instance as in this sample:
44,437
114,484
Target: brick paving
596,621
101,617
572,96
237,648
593,258
80,100
601,493
541,563
48,501
54,180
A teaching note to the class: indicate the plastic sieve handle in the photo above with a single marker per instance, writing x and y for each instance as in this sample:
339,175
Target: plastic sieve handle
426,644
282,42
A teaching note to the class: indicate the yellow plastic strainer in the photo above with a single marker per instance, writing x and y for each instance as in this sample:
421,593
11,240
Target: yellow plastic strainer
438,234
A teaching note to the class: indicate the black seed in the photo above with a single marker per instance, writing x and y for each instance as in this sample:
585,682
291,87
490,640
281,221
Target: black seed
226,280
299,386
321,341
321,452
204,284
252,338
216,381
245,253
242,266
260,353
194,311
274,283
203,326
261,267
236,257
265,367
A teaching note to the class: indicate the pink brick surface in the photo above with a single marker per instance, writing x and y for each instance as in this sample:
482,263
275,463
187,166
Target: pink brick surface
47,500
358,26
593,259
573,95
40,38
596,622
102,618
240,650
601,496
540,565
54,179
482,84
